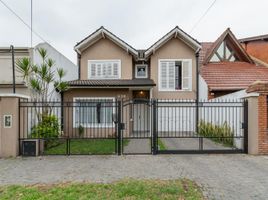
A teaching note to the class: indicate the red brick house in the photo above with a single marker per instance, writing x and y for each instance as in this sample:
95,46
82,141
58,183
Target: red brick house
226,67
256,47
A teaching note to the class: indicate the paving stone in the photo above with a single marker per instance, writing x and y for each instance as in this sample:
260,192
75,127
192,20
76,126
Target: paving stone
235,176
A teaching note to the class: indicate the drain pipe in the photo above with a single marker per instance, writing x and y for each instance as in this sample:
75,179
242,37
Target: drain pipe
13,68
197,89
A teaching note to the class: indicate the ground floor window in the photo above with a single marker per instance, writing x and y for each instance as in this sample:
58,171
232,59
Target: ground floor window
94,112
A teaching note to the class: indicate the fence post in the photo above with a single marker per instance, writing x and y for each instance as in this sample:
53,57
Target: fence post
154,123
119,136
245,126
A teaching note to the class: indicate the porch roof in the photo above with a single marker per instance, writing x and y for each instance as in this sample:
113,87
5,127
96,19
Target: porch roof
112,83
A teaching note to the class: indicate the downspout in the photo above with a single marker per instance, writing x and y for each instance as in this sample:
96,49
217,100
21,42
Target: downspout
13,68
197,94
62,109
79,64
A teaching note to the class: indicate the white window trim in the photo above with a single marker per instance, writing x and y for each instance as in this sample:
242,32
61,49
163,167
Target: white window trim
97,78
136,71
174,90
96,125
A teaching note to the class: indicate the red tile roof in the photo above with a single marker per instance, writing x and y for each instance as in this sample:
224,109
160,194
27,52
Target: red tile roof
203,53
232,75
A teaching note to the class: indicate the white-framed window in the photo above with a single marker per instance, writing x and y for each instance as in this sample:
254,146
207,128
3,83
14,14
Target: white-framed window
175,74
93,112
104,69
141,71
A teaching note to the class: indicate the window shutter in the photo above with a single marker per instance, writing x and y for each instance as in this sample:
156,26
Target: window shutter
163,75
109,69
98,70
187,75
171,75
115,69
92,70
104,73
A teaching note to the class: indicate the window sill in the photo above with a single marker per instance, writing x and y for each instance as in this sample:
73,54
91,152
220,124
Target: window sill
95,125
175,90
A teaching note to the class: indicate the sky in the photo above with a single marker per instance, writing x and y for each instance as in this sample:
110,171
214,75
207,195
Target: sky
140,23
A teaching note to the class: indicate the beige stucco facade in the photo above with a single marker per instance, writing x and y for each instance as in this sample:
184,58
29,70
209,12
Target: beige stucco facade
105,49
6,65
9,141
173,49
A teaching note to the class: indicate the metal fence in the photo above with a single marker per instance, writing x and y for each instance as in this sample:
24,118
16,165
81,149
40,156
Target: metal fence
134,126
82,127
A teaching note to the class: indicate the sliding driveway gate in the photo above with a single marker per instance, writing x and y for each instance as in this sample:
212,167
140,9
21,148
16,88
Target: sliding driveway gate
135,126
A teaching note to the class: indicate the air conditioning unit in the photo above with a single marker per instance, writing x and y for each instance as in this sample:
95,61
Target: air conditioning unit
30,147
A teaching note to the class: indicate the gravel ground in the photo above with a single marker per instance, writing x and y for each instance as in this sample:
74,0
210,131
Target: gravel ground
220,176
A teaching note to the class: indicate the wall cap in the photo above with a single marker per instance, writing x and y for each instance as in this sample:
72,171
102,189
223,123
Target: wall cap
14,95
258,86
252,94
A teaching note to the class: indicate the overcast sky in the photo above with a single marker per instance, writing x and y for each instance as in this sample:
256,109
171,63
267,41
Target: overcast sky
138,22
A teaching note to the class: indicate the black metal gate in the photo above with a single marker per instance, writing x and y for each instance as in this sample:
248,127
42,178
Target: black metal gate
135,126
137,131
206,127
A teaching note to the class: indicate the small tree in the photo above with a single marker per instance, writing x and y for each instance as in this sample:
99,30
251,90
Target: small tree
42,81
40,77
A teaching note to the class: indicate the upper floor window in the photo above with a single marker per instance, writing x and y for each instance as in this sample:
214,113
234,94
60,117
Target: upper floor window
104,69
224,53
141,71
175,75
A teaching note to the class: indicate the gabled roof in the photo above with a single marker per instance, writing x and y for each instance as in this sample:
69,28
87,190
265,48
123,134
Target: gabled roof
232,75
103,33
213,47
254,38
177,33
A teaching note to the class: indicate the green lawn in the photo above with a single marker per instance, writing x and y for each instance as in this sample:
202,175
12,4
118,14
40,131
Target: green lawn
85,146
161,145
126,189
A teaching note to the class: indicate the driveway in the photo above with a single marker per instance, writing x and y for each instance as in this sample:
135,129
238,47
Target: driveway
220,176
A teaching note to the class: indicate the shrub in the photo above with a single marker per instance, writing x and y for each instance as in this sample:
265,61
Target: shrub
81,130
48,127
219,133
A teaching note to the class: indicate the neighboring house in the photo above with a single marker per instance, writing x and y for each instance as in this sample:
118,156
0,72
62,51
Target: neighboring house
6,80
257,48
20,52
110,69
226,67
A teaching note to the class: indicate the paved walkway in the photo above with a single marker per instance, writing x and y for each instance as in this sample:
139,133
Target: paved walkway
220,176
191,144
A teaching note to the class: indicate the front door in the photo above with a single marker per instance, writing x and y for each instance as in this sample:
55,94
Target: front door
141,112
141,116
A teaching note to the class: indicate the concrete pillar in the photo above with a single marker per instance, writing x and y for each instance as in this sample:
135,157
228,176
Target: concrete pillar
9,126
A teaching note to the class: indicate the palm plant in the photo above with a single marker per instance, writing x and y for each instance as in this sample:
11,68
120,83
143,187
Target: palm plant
41,79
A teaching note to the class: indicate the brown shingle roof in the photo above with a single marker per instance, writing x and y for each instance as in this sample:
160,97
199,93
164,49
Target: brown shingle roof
232,75
112,83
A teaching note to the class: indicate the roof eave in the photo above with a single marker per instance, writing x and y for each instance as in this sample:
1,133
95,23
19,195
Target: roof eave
104,33
178,33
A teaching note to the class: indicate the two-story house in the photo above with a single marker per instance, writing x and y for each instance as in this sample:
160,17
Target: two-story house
110,69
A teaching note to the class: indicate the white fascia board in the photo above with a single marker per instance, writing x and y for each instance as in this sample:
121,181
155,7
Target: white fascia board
179,34
103,32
